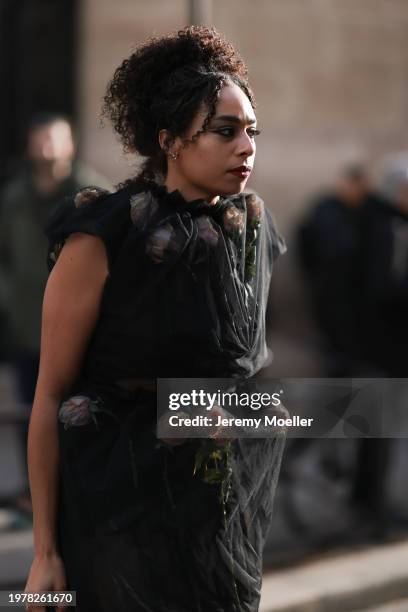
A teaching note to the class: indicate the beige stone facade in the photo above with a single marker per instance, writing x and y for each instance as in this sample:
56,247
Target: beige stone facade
108,31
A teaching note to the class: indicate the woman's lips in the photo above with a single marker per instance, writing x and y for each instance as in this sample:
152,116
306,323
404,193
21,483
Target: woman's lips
241,172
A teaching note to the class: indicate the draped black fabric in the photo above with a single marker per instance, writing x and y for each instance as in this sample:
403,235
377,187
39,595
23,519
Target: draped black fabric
186,295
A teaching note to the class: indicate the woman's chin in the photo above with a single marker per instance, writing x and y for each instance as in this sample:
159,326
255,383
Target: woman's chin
237,185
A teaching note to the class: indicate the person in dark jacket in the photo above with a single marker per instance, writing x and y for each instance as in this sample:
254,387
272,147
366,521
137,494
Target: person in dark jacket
387,280
333,256
338,255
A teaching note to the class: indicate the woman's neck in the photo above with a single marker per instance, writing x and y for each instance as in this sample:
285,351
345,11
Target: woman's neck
188,191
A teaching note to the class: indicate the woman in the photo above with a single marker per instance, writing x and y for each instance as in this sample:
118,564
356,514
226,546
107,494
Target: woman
167,277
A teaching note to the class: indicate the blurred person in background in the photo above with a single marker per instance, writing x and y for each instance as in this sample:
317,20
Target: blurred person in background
337,254
386,307
47,175
387,279
333,256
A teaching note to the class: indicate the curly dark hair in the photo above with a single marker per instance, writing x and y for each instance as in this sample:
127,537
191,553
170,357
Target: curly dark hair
164,84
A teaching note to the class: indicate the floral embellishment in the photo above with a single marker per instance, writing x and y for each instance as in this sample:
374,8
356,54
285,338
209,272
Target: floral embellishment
206,231
142,207
233,220
158,242
250,259
88,194
210,458
213,462
79,410
213,456
254,206
76,411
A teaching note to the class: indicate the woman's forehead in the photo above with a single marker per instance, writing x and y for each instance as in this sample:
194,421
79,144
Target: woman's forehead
233,102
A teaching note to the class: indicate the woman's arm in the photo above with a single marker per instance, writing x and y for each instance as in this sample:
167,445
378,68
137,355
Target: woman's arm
70,310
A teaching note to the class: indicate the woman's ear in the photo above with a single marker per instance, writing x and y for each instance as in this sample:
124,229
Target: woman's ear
168,143
165,140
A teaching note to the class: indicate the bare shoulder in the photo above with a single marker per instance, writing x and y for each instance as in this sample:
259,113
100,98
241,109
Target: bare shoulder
82,258
71,308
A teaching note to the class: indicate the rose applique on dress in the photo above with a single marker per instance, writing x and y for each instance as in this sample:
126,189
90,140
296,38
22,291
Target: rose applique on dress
76,411
80,410
88,194
254,206
206,231
233,220
158,242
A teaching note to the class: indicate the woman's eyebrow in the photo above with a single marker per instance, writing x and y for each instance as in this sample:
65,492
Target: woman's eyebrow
235,119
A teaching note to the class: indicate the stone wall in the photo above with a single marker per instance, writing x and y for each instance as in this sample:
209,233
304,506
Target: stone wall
330,79
107,32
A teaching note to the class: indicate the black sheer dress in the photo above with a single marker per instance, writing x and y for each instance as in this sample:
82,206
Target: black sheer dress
186,294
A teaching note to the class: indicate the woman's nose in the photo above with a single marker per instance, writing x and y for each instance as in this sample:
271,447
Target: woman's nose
247,145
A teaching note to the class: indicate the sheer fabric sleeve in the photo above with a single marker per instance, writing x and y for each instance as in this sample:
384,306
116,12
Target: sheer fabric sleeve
92,211
277,244
255,209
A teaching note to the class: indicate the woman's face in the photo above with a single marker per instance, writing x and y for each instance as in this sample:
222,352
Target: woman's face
203,168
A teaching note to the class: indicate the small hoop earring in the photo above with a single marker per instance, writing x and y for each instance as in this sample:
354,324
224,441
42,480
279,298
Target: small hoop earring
174,155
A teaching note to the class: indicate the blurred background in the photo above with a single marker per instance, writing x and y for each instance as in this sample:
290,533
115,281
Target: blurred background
330,81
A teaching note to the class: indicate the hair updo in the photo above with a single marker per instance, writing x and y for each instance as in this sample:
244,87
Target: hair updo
164,84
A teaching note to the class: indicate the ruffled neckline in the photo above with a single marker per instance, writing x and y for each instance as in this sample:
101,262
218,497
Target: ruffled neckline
195,207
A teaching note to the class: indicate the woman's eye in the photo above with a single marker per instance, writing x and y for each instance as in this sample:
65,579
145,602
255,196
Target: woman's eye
229,132
254,132
226,132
